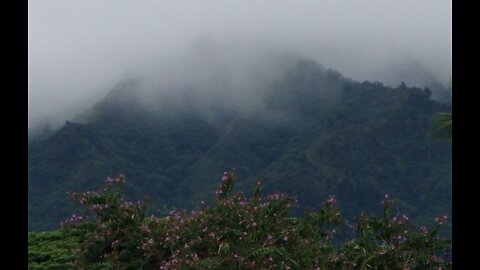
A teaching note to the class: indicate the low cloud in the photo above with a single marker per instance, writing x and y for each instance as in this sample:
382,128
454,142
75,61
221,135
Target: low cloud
78,50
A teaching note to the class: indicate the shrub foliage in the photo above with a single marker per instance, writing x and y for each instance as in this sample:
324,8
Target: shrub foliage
236,232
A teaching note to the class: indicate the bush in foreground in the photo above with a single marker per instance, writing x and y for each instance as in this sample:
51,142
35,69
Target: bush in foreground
237,232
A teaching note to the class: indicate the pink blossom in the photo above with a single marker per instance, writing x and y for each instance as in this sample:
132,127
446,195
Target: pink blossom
331,200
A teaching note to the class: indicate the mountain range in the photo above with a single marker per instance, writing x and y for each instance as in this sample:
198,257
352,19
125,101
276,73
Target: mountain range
309,132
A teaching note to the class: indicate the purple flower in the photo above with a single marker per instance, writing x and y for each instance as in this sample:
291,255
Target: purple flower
399,237
440,220
424,230
115,243
331,200
387,201
398,220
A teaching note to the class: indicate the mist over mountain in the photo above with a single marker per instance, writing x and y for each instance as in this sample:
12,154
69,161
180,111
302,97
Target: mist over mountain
302,128
235,73
78,50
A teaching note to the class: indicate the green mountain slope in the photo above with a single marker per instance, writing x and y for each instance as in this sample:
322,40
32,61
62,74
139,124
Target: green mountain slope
314,133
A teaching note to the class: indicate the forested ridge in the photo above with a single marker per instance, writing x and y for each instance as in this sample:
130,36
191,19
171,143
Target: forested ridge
315,133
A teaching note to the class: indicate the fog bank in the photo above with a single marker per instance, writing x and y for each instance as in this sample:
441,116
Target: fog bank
78,50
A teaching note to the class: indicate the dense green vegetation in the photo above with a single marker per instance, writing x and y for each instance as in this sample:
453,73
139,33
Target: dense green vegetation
443,124
51,250
234,232
315,133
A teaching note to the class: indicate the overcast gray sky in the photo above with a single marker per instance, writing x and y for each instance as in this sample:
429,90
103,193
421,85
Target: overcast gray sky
78,49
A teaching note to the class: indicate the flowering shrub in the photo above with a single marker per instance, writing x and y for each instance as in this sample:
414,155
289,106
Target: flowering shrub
388,243
236,232
110,227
